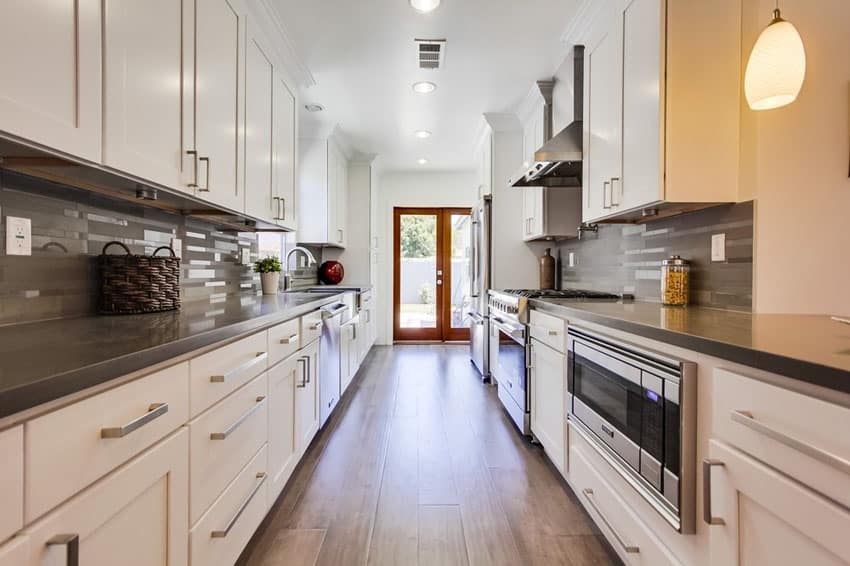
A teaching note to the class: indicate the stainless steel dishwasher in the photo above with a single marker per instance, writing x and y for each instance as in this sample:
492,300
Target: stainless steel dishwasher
333,317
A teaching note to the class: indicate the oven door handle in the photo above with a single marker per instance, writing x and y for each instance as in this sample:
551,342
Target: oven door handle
515,332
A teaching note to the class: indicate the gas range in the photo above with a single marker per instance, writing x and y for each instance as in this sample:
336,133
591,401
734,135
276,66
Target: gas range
513,303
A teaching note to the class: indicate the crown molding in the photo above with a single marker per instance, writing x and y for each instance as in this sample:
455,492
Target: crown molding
286,47
502,121
576,31
532,101
360,158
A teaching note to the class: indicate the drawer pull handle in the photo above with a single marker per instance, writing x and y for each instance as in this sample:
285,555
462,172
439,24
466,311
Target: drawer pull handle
260,357
553,333
221,534
628,548
289,340
155,411
316,326
72,547
707,515
747,419
238,422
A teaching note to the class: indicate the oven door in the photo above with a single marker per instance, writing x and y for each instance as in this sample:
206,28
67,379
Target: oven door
509,366
607,398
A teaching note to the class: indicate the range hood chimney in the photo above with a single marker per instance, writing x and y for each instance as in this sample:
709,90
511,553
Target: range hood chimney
558,163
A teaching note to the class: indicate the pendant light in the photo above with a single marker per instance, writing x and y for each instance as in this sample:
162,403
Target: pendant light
777,66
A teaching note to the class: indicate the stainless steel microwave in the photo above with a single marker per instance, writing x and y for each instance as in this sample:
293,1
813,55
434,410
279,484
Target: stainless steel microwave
638,408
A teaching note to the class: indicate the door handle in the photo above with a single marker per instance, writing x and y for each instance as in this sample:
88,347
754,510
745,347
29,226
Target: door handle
303,373
155,411
707,516
71,542
606,202
613,192
194,154
238,422
206,187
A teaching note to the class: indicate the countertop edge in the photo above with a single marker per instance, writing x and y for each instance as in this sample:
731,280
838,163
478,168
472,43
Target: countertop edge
808,372
53,387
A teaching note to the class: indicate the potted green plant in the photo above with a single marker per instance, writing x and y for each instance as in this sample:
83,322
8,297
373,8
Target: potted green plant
269,270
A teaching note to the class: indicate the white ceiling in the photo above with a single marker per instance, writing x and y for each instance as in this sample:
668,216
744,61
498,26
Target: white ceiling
363,58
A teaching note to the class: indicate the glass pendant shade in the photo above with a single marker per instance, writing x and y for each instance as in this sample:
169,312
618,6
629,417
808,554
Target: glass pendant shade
777,66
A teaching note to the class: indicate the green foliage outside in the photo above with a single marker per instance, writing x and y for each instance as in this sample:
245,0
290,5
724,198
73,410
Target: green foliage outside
269,264
418,236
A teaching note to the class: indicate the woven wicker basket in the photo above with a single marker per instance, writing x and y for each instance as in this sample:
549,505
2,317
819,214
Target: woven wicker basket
134,284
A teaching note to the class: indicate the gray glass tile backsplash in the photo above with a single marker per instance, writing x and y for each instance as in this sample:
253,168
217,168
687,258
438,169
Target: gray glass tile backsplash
69,230
627,258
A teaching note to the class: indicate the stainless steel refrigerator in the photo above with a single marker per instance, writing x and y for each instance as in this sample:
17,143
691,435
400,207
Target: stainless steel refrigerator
480,276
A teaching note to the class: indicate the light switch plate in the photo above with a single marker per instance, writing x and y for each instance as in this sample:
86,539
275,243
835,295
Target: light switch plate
177,246
718,247
18,236
572,259
246,256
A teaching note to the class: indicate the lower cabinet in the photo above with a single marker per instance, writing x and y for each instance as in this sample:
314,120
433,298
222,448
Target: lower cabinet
15,552
760,516
547,382
137,515
283,453
307,396
347,351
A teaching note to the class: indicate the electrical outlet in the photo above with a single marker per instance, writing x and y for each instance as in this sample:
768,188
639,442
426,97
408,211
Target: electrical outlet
177,246
718,247
572,260
18,236
246,256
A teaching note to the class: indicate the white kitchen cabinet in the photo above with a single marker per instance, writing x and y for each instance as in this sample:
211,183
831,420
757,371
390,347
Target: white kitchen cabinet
283,455
648,64
761,516
307,396
322,192
284,154
259,128
145,126
547,382
11,481
346,346
137,515
50,56
15,552
219,32
484,165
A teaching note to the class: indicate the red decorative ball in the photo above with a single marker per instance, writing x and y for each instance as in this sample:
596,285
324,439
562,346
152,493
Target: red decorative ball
331,272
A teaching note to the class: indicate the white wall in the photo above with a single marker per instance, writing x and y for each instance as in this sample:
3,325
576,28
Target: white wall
410,189
355,256
795,163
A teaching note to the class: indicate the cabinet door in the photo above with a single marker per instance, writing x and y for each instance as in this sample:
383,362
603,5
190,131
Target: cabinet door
219,40
341,201
641,183
259,124
307,396
548,371
345,346
15,552
50,58
769,518
143,90
333,235
284,153
282,447
603,68
136,516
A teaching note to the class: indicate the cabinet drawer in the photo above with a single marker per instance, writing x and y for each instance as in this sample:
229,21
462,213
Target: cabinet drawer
68,449
796,434
223,439
628,535
550,330
225,529
284,341
366,298
311,327
11,481
215,374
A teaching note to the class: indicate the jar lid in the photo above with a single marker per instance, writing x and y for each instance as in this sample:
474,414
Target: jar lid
675,260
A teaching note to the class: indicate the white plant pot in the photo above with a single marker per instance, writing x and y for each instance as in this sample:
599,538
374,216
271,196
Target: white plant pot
270,282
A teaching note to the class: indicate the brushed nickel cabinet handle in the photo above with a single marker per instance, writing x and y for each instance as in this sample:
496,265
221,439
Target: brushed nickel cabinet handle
341,233
553,333
206,187
628,548
155,411
276,201
315,326
606,202
707,516
282,202
238,422
613,192
289,340
309,365
260,357
223,533
71,542
305,362
194,154
747,419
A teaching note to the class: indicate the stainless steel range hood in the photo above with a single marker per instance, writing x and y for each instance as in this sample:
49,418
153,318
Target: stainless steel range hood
558,163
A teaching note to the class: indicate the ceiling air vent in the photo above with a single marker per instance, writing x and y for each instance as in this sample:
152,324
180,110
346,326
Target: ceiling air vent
430,53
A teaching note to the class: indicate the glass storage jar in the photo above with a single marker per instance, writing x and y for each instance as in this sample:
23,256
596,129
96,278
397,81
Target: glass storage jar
675,281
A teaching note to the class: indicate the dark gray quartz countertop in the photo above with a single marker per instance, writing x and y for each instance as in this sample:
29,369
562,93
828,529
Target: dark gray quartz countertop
43,361
810,348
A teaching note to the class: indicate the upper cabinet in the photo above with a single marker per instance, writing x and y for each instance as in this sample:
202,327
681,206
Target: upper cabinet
661,108
484,165
284,140
50,58
322,192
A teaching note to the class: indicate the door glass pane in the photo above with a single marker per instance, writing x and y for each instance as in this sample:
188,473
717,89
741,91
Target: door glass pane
418,273
461,252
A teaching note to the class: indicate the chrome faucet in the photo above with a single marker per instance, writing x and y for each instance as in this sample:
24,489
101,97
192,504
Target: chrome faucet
287,276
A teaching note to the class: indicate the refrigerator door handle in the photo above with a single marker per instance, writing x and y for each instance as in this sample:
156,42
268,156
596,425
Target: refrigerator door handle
473,264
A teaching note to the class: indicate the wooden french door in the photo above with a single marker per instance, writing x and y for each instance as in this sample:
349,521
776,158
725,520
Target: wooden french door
431,286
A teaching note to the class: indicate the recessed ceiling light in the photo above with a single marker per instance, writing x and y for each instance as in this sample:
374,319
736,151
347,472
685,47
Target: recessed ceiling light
314,107
424,87
422,161
425,6
422,134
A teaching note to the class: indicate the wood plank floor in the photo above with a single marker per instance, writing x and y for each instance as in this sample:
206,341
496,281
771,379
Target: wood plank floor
420,465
